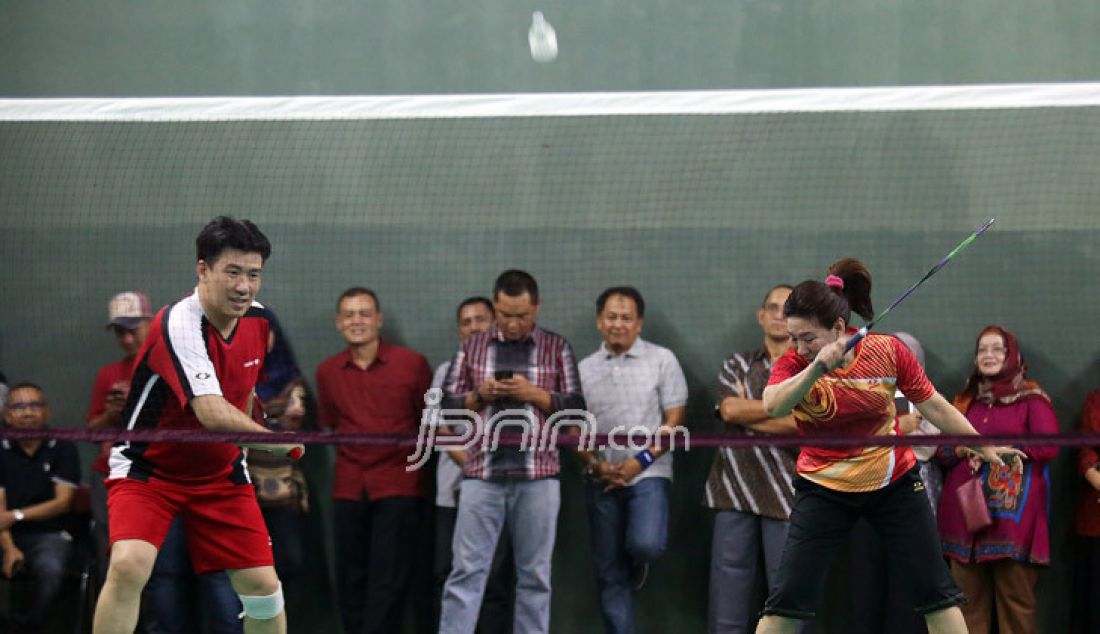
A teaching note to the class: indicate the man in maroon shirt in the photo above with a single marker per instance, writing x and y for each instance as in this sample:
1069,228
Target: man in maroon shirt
128,316
372,386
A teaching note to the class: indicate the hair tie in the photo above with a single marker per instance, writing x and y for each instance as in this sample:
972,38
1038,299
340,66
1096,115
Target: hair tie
834,281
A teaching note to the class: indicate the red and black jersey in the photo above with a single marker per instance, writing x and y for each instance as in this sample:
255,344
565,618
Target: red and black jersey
857,400
184,357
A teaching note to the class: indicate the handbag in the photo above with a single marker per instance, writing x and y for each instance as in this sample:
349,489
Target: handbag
972,504
279,483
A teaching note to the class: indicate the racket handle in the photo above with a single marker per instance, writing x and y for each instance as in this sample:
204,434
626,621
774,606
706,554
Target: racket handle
295,453
856,338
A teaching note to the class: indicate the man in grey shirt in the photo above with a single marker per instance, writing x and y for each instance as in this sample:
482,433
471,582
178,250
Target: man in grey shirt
636,387
751,488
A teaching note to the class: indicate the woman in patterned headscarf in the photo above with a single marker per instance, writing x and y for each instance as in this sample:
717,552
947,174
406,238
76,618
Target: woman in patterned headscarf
997,567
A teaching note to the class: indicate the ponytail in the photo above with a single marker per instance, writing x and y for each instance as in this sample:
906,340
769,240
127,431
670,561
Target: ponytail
847,288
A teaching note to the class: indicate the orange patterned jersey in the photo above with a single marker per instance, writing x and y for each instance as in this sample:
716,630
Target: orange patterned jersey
857,400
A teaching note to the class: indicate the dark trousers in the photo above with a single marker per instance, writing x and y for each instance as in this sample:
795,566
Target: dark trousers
1086,585
496,606
859,595
375,551
179,596
821,523
286,527
46,555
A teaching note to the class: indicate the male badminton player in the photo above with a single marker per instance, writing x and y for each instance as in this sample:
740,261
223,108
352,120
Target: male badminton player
830,391
197,370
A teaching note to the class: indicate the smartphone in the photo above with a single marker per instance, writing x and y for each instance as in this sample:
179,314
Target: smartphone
501,375
901,404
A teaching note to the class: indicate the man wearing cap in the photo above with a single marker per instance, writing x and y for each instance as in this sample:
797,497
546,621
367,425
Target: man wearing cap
128,318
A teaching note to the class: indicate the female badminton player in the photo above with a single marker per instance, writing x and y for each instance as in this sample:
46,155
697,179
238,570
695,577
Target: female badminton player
830,391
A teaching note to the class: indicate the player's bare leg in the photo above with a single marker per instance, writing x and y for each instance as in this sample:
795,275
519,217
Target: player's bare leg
775,624
947,621
131,564
262,596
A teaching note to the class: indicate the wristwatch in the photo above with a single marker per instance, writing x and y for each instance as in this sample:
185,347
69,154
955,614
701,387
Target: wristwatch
18,514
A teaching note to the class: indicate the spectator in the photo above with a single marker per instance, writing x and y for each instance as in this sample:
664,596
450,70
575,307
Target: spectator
997,567
474,315
515,366
372,386
280,482
1086,604
911,423
749,488
37,480
629,384
128,316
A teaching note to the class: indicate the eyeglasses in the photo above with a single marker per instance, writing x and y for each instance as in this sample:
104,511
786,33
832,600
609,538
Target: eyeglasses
18,407
772,308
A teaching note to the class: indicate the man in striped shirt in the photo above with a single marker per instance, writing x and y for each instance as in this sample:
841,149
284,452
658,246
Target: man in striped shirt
515,366
750,488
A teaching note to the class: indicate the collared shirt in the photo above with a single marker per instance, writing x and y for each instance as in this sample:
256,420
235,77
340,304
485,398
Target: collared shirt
29,480
448,474
547,361
757,480
386,398
633,390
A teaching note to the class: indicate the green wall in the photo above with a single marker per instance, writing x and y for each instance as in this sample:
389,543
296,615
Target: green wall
703,213
235,47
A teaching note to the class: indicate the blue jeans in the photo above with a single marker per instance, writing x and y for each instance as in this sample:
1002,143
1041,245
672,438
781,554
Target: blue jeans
173,585
530,509
742,542
45,556
496,606
628,526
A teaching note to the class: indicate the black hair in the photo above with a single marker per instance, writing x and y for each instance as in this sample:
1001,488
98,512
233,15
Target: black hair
514,283
224,233
626,291
827,303
469,301
26,385
356,291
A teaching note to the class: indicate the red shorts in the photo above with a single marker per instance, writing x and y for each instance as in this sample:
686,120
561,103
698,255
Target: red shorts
222,521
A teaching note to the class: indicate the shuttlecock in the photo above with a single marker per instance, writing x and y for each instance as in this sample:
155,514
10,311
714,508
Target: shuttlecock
542,39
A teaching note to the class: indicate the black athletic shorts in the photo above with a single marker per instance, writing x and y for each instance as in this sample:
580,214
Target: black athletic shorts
821,522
